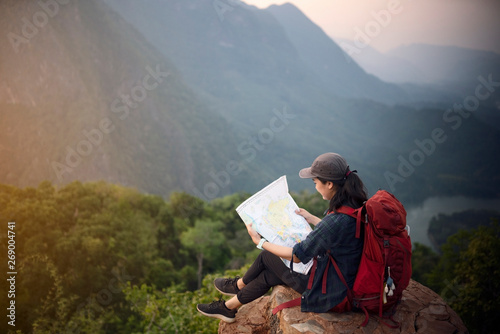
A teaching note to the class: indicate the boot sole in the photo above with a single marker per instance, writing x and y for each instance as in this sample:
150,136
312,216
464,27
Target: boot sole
224,293
218,316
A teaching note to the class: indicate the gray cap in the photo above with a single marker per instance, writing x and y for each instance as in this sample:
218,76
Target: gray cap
329,166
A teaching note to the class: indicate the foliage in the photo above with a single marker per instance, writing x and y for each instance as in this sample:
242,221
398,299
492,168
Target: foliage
101,258
423,261
78,246
442,226
468,276
173,310
478,274
206,239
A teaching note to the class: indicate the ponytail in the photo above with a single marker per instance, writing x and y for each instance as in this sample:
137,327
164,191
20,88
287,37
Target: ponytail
350,192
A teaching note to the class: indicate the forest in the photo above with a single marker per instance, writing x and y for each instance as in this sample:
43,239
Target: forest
101,258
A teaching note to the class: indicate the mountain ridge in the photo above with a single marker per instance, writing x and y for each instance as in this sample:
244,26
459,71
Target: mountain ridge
335,67
97,66
237,107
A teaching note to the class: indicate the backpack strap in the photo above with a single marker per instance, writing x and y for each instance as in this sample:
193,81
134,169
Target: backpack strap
339,273
354,213
312,273
296,301
290,303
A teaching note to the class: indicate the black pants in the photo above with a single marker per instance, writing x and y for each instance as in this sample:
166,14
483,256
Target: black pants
267,271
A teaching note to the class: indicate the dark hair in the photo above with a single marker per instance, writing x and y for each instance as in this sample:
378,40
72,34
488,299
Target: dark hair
350,192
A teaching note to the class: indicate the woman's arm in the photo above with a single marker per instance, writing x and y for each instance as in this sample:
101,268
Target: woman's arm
281,251
308,217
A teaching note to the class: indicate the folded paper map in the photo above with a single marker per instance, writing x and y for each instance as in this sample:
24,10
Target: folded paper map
271,211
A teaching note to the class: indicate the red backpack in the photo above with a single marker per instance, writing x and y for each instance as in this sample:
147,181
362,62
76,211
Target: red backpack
385,267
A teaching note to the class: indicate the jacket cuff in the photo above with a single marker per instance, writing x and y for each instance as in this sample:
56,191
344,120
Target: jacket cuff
298,252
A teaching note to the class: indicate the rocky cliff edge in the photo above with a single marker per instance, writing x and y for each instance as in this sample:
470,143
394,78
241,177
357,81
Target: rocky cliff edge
421,311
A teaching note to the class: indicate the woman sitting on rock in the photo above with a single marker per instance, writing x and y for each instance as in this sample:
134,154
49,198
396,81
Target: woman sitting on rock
334,234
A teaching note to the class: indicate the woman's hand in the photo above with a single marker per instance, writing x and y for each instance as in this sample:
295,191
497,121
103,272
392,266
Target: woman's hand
281,251
253,234
307,216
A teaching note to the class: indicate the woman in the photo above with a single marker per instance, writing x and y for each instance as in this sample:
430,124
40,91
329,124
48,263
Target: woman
333,235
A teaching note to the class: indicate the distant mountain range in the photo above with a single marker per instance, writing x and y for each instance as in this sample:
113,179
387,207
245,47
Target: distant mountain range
340,75
184,95
423,63
451,72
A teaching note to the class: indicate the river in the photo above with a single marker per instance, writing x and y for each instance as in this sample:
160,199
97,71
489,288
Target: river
419,217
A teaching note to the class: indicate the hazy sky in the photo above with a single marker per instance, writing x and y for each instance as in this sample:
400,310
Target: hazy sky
466,23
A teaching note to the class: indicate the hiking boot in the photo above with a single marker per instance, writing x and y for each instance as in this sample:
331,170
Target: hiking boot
227,286
217,309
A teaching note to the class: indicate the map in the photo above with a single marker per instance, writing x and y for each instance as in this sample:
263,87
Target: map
271,211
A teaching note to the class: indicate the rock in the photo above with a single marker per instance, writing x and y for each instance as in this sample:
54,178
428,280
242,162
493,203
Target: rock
252,318
421,311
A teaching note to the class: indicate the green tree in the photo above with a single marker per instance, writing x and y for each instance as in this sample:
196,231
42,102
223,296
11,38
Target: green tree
468,276
187,207
423,261
206,239
442,226
224,210
75,247
168,241
443,274
173,310
478,275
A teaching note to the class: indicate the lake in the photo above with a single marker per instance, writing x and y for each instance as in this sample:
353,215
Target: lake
419,217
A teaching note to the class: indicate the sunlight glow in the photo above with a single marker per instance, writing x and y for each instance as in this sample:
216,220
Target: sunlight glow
465,23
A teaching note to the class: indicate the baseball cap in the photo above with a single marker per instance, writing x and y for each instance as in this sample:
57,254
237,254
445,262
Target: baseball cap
329,166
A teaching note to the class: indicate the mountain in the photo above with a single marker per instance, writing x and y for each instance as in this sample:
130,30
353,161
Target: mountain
447,64
434,75
459,72
343,76
184,95
86,97
249,62
385,67
424,64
